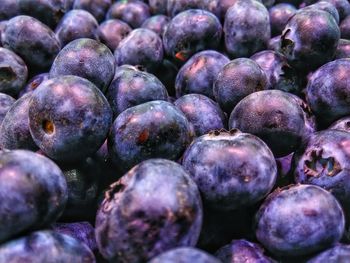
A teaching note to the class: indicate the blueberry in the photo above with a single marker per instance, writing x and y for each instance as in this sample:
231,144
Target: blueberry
345,28
111,32
6,103
307,51
13,72
175,7
33,83
204,113
3,24
325,161
156,23
279,16
226,175
191,31
14,130
247,28
299,220
155,129
33,192
86,58
82,231
242,251
31,40
158,6
46,246
236,80
131,87
97,8
330,101
76,24
274,43
342,124
343,7
184,255
9,9
280,75
142,47
274,116
284,168
343,49
340,253
154,207
199,73
133,12
69,118
325,6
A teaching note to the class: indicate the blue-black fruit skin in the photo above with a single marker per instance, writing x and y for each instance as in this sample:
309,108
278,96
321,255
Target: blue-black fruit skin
204,113
221,165
97,8
279,16
14,130
158,6
184,255
133,12
76,24
154,207
33,83
6,102
33,192
182,36
242,250
142,47
247,28
13,72
175,7
330,102
44,246
79,113
86,58
32,40
155,129
340,253
9,9
156,23
345,28
343,49
131,87
342,124
198,74
299,220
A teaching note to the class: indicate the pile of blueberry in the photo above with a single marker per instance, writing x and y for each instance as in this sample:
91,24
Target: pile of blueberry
174,131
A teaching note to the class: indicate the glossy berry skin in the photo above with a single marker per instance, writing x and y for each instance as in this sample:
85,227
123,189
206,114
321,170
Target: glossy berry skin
340,253
279,74
330,102
156,23
247,28
134,13
342,124
33,192
158,6
204,113
226,175
14,130
274,43
43,246
69,118
310,39
325,6
236,80
33,83
32,40
76,24
154,207
97,8
175,7
13,72
111,32
198,74
182,39
131,87
345,28
9,9
325,161
343,49
86,58
142,47
242,251
82,231
279,16
274,116
299,220
155,129
184,255
6,103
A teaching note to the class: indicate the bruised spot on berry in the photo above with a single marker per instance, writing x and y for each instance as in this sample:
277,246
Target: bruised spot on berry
181,55
48,127
34,84
143,137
